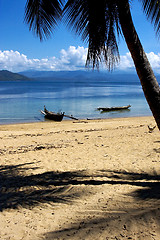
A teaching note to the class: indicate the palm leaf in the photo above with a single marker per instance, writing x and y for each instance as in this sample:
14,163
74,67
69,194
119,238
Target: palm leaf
97,23
152,10
42,16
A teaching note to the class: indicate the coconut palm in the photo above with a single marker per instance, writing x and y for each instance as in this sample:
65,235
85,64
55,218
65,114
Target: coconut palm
100,23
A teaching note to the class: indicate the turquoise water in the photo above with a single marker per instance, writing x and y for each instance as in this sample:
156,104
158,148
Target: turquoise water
21,101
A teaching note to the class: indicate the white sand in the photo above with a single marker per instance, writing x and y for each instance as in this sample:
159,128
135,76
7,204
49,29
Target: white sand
80,180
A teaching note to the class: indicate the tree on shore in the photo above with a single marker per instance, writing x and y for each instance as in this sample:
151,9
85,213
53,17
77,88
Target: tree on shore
100,23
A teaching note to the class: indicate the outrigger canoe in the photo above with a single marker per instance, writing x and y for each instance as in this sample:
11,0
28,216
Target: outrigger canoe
108,109
52,115
55,116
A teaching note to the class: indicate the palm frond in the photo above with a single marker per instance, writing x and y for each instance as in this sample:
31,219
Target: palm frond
42,16
152,10
97,23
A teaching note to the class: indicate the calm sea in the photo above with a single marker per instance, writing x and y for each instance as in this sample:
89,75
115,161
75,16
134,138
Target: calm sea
21,101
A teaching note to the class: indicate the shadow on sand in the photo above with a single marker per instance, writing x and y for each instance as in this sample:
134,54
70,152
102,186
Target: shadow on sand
17,188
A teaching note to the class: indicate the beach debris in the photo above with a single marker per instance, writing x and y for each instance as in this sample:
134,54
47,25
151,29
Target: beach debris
151,128
32,147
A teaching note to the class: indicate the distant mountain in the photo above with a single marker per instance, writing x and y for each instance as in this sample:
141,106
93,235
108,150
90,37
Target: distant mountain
10,76
81,75
59,74
115,76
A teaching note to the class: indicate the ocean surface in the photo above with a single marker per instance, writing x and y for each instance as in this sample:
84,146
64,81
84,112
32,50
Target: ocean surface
21,101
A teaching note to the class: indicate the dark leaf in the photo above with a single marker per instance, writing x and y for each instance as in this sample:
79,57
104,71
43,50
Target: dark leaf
97,22
152,10
42,16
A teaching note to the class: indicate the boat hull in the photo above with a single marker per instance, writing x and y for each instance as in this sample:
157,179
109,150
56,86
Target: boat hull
53,116
107,109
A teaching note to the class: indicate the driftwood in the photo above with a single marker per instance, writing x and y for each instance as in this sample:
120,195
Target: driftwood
108,109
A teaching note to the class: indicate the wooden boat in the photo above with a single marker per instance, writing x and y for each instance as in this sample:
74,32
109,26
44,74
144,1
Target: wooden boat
52,115
108,109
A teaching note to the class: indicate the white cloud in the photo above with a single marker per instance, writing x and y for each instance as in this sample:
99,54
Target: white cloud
74,56
126,62
154,61
71,59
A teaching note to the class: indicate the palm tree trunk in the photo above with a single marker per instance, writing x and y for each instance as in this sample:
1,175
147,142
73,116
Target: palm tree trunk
148,80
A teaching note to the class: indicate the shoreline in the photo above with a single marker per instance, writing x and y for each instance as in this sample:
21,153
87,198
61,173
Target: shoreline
84,179
71,120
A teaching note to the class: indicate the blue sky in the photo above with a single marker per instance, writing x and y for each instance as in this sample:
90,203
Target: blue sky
21,50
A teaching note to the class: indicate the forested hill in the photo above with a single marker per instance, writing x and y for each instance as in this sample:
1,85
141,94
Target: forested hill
10,76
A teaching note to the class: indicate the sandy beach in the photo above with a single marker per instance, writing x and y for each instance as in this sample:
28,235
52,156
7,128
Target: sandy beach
81,180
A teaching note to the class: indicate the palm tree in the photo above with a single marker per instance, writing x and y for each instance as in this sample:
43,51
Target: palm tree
100,23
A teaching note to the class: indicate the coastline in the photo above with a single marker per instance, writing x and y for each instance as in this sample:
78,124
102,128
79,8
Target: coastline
85,179
80,119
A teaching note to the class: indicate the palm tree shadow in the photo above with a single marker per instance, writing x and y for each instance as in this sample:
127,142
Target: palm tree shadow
150,183
147,192
20,189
